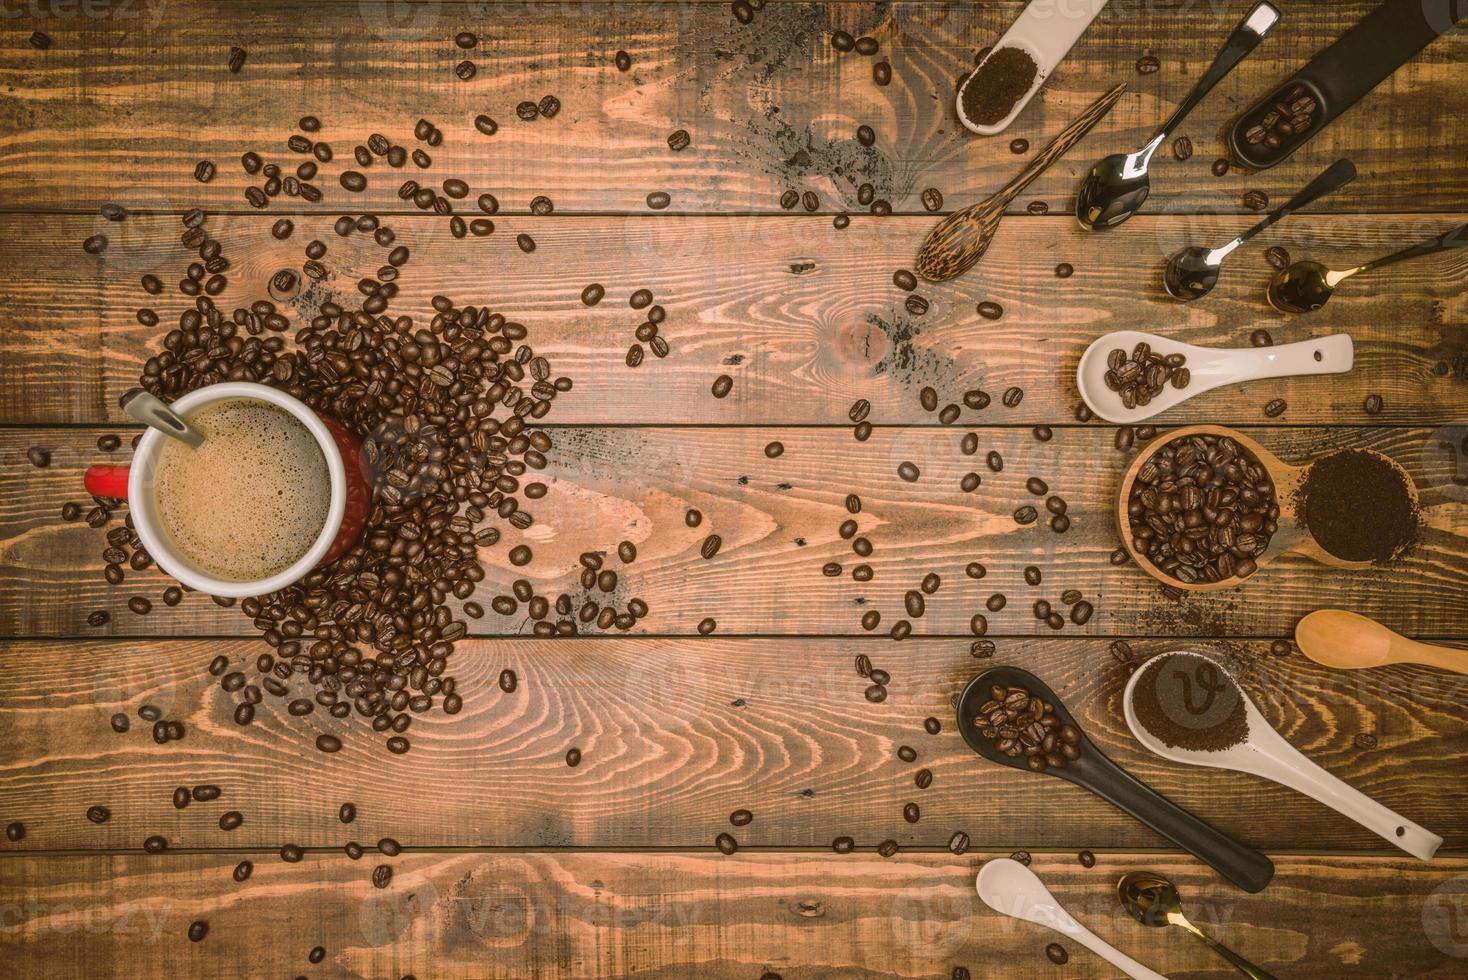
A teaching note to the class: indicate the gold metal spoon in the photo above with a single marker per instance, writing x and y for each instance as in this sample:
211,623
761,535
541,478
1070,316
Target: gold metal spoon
960,240
1348,641
1153,901
1306,285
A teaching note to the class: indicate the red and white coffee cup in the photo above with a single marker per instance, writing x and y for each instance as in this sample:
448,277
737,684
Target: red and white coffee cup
351,492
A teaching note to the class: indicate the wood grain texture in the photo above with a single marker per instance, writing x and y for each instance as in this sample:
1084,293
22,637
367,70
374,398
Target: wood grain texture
669,916
134,100
804,318
677,734
779,521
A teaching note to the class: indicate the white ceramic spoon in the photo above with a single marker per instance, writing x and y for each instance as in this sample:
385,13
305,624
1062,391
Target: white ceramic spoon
1265,753
1210,367
1045,31
1012,889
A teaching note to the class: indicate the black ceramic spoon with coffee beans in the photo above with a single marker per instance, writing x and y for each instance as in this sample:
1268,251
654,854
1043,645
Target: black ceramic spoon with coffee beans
1090,769
1338,77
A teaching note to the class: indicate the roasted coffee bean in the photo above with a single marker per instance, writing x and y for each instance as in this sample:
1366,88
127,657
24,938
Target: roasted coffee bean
1277,256
1372,405
876,694
710,546
508,681
153,845
1220,167
38,457
882,73
923,779
932,199
382,876
236,60
1275,407
1064,270
911,812
995,461
181,797
707,626
774,450
678,140
693,517
958,843
198,929
1147,64
1080,613
1261,338
1256,200
659,200
120,722
230,820
1056,954
328,743
623,61
908,472
990,310
1182,148
726,843
243,870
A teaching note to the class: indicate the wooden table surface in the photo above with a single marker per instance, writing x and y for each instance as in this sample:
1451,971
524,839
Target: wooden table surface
516,865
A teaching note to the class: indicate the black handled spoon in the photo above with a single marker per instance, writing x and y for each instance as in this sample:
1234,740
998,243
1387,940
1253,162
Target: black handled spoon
1192,272
1237,862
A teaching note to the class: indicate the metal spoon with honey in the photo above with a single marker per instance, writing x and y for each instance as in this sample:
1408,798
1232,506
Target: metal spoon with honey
1153,901
1306,286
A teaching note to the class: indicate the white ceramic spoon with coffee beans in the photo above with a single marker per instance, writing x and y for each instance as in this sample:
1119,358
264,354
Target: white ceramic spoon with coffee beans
1207,367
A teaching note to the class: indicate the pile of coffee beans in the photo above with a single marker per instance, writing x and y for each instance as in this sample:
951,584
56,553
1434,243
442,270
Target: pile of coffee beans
1141,376
1021,724
1290,116
1202,509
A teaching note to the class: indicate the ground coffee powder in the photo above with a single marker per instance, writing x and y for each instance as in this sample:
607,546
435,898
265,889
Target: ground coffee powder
1189,702
997,84
1359,506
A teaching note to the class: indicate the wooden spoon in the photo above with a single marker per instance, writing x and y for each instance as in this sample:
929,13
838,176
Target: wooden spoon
1348,641
1291,534
960,240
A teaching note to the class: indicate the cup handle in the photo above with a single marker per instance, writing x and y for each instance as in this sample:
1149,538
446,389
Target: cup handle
107,481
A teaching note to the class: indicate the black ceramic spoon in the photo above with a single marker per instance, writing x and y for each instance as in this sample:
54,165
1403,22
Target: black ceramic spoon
1237,862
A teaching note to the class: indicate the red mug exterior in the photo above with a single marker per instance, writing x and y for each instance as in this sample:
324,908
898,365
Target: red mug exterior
112,481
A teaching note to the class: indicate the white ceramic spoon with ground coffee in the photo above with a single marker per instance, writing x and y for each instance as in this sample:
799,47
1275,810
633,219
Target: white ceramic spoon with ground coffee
1206,368
1193,710
1035,43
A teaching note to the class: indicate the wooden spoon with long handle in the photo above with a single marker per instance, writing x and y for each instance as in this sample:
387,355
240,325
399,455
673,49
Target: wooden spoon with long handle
960,240
1347,641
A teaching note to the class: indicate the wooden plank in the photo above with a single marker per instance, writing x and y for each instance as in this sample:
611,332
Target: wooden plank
804,318
677,734
134,99
678,915
779,521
